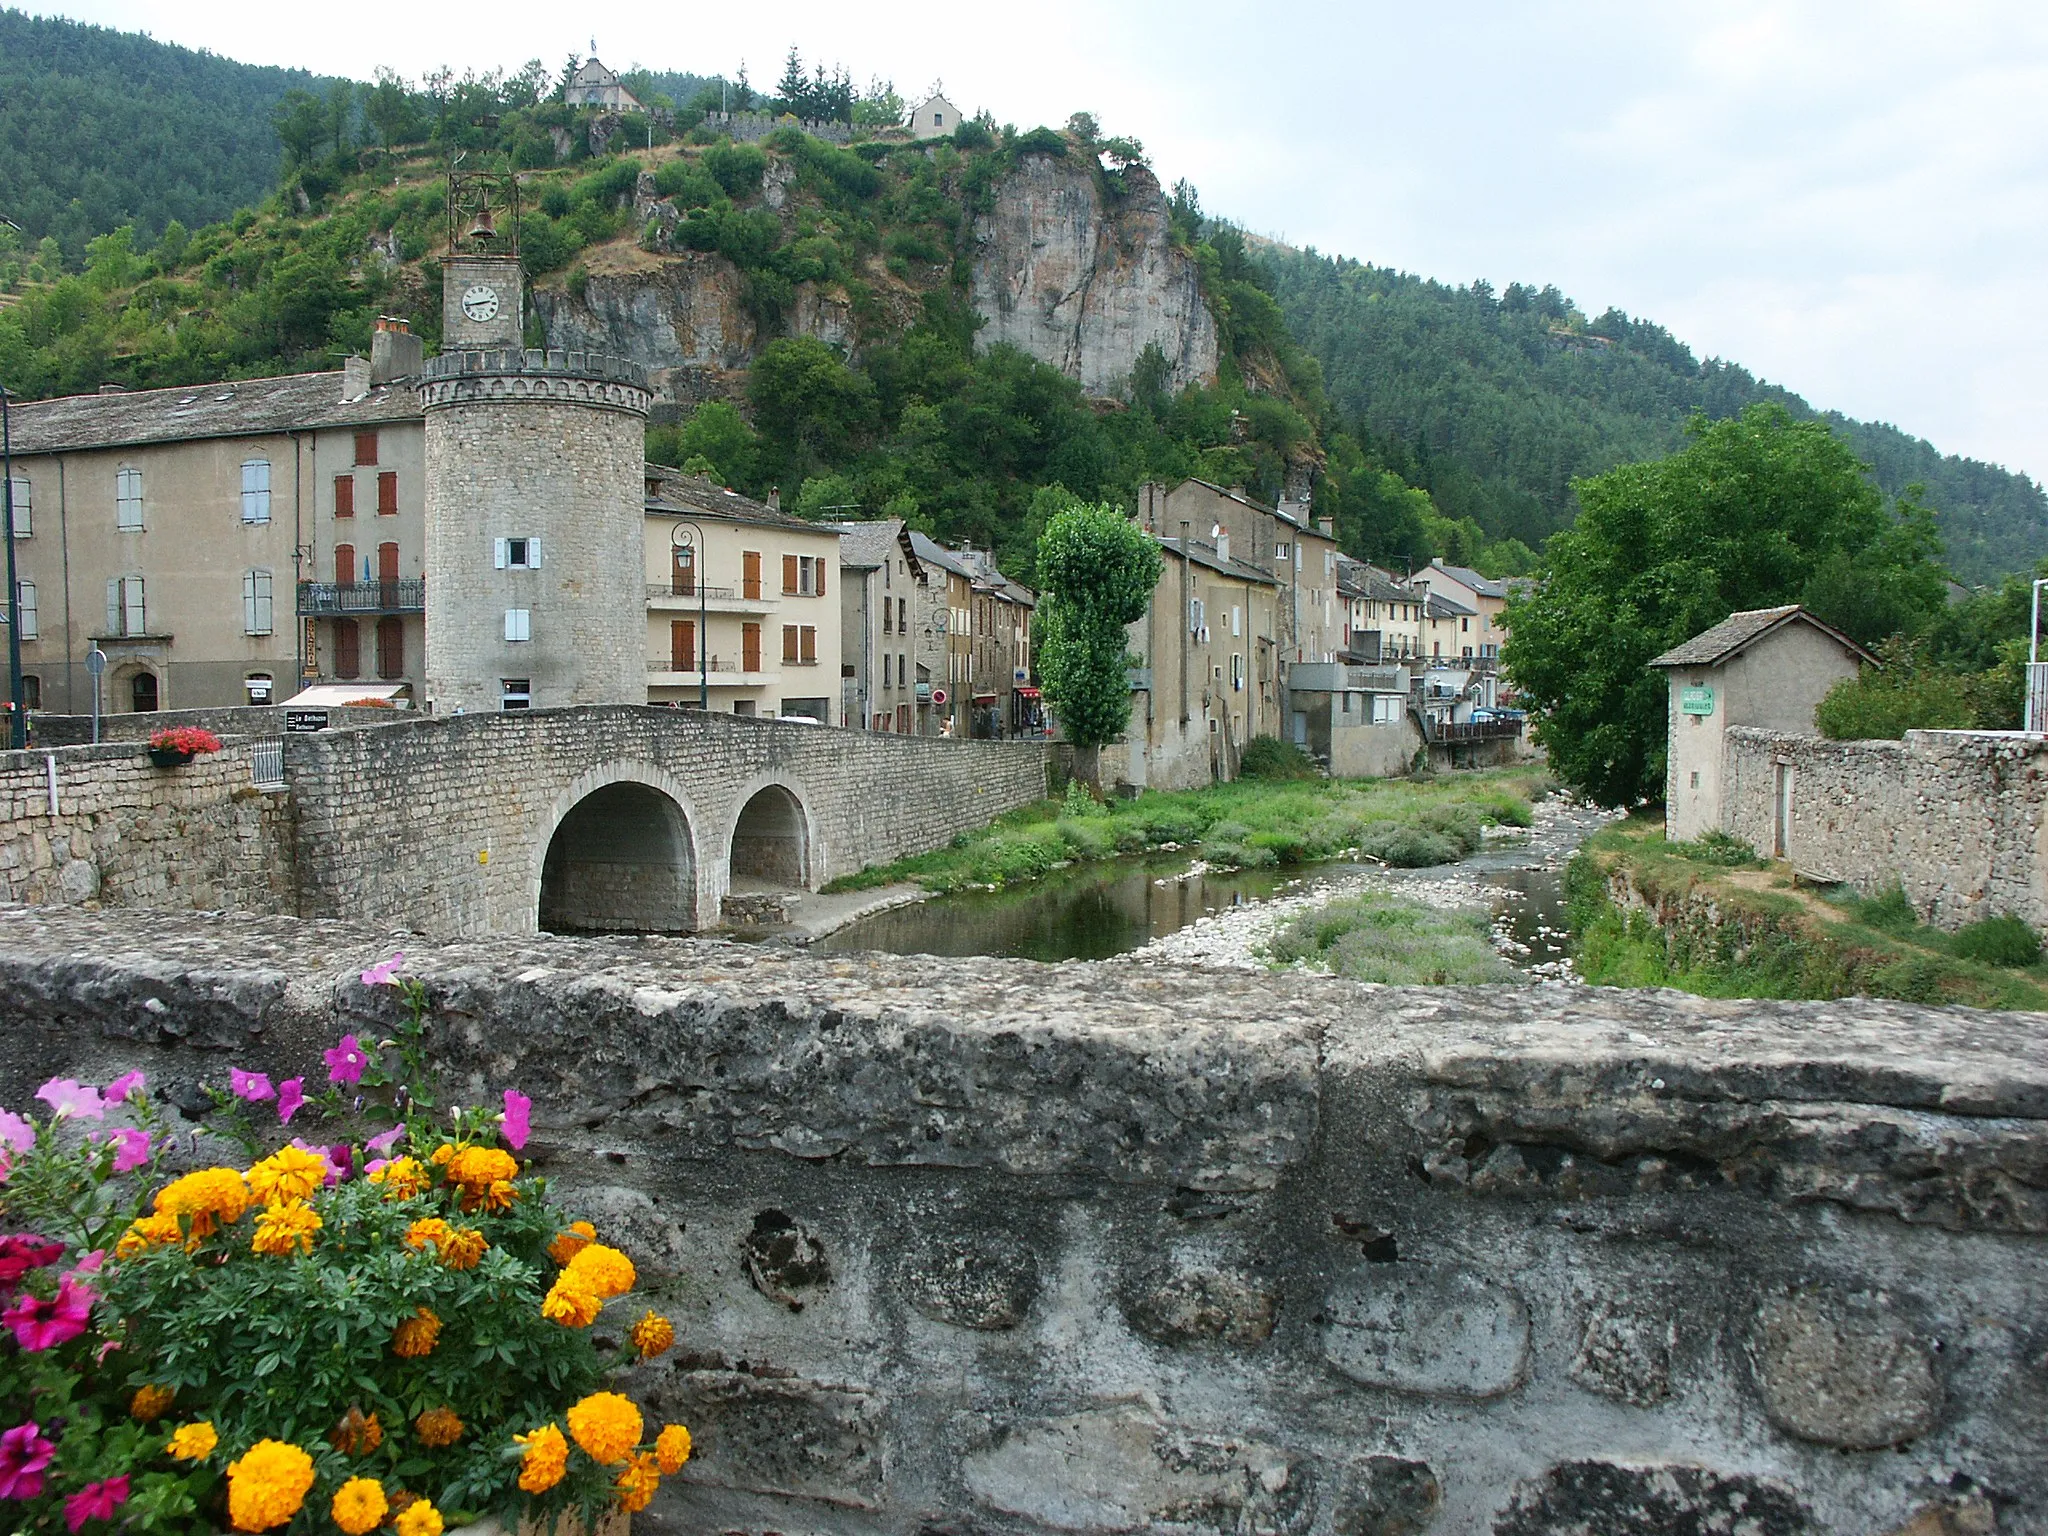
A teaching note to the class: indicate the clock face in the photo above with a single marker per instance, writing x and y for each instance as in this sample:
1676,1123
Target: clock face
480,303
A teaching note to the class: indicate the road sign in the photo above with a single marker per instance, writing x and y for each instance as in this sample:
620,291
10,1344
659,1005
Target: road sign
938,695
95,661
1696,701
303,722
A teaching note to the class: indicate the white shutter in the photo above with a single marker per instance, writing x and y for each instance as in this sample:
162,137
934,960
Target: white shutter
24,519
249,603
533,554
25,603
113,605
504,552
518,624
136,618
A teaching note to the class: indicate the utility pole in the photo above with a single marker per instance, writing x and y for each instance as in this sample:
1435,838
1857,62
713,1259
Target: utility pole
1187,617
17,729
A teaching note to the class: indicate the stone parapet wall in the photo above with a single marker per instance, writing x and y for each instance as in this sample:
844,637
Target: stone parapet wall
229,720
130,834
999,1248
1959,818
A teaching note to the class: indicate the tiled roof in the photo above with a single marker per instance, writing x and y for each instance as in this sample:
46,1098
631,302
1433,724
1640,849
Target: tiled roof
867,545
1202,552
1739,631
1485,586
1441,607
1355,578
694,495
241,408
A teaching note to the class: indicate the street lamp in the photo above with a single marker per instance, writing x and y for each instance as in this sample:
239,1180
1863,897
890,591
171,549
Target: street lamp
687,535
17,728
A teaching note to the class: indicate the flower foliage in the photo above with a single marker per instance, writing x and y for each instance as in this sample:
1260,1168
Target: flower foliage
185,738
356,1337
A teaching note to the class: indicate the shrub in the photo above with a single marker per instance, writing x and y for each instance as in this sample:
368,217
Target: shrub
1717,847
736,167
1888,912
1379,937
2004,940
1268,757
1408,847
1040,141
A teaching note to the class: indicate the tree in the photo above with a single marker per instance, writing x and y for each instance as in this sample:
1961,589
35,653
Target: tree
791,88
811,407
1756,511
1097,571
301,124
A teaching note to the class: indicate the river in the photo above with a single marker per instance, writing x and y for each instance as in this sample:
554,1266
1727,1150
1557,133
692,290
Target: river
1171,909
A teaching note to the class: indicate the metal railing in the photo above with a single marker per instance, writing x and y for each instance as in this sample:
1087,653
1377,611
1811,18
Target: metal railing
266,764
709,663
683,589
1477,730
403,595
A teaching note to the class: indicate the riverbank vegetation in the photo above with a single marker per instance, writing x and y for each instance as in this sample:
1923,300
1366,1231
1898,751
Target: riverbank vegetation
1716,921
1378,936
1249,824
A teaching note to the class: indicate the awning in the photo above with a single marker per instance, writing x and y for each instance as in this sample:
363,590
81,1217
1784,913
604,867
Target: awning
984,698
1026,693
335,695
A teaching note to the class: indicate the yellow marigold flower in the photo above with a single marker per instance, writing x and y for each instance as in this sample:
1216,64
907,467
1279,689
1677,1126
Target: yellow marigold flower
286,1229
570,1302
545,1459
636,1483
604,1270
357,1434
438,1427
672,1448
402,1178
567,1245
442,1154
289,1173
267,1486
497,1196
607,1425
205,1195
430,1230
652,1335
417,1335
419,1518
150,1404
482,1167
147,1232
194,1441
463,1248
359,1506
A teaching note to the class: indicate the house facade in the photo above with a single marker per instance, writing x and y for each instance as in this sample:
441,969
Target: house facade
593,85
934,118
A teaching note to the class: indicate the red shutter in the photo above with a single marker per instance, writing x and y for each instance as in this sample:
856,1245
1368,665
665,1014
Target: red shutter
750,574
387,562
366,447
750,647
789,642
789,573
344,495
347,649
344,563
390,647
809,638
387,493
682,645
821,578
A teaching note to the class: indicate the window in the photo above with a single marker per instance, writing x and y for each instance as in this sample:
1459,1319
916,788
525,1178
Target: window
807,652
257,687
902,670
344,563
750,573
32,691
256,602
902,615
256,490
682,645
750,647
789,643
515,693
1236,614
789,573
888,617
1282,550
519,554
344,495
25,600
938,119
683,570
803,575
1465,625
886,658
387,493
366,447
126,614
142,692
24,520
518,624
348,649
390,647
1236,671
128,499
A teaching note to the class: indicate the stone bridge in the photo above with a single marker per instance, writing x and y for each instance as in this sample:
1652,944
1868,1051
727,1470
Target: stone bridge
618,817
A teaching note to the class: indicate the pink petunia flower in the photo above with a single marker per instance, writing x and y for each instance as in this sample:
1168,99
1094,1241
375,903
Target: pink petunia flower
126,1085
383,1143
291,1093
96,1501
516,1120
131,1149
343,1157
43,1322
251,1087
66,1096
346,1061
17,1133
21,1252
385,972
23,1455
89,1263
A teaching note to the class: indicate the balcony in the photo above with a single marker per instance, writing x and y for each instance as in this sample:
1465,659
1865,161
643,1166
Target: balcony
405,595
669,596
724,672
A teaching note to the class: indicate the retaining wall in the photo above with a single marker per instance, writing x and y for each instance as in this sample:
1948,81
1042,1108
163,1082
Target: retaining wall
229,720
1959,818
983,1246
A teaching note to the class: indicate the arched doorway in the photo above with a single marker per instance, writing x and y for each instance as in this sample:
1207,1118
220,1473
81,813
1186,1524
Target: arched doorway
768,843
620,862
142,694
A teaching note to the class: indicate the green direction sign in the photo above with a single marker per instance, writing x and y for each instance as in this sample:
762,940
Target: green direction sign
1696,701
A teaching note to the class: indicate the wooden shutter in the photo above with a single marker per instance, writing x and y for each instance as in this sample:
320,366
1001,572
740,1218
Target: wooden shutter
387,562
808,636
750,574
750,647
789,642
387,493
347,648
344,495
344,563
390,647
366,447
682,645
789,573
821,576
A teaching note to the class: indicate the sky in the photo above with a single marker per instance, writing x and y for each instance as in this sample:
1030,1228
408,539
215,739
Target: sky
1849,199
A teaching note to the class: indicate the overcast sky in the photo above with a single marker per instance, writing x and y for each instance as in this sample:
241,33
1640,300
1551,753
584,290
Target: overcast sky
1850,199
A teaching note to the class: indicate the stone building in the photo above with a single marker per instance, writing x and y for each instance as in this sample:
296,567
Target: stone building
1482,628
593,85
1767,668
934,118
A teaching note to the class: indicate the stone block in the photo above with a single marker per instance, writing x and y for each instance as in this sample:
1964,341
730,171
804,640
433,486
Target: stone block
1626,1355
984,1279
776,1435
1207,1305
1435,1330
1385,1496
1843,1372
1605,1498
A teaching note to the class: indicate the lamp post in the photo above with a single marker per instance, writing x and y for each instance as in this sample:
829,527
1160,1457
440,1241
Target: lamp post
17,728
687,535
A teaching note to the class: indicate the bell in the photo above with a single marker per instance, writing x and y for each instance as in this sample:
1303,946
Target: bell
485,227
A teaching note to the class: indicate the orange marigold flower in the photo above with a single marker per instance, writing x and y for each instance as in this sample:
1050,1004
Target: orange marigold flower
267,1486
604,1270
194,1441
286,1229
652,1335
497,1196
607,1425
570,1302
545,1459
147,1232
205,1195
463,1248
359,1506
357,1434
567,1245
402,1178
150,1404
442,1154
636,1483
672,1448
482,1167
289,1173
417,1335
438,1427
431,1230
419,1518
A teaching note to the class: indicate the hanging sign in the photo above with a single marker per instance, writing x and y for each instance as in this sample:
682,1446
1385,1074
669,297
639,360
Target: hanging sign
1696,701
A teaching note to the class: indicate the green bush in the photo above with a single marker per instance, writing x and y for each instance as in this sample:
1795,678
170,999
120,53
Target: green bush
1457,824
1888,912
2004,940
607,186
1717,847
1286,846
1040,141
736,167
1268,757
1379,937
1407,847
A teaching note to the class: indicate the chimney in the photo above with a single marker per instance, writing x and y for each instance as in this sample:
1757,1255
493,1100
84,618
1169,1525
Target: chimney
355,378
1327,527
1222,538
395,353
774,498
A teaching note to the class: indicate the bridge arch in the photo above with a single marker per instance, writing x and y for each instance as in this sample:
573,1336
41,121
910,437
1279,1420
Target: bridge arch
620,855
773,837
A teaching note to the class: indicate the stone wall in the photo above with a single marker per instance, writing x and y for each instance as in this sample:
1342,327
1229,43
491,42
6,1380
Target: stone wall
127,833
1960,818
230,720
1000,1248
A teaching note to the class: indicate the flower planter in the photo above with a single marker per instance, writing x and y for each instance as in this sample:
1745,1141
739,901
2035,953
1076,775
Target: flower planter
169,757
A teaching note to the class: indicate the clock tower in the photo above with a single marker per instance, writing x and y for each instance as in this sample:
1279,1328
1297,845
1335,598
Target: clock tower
481,302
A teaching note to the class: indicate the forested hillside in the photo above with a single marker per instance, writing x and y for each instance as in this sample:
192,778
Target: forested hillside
1497,402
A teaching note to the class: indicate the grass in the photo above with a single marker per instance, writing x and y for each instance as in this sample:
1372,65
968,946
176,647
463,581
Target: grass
1252,823
1768,942
1379,937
